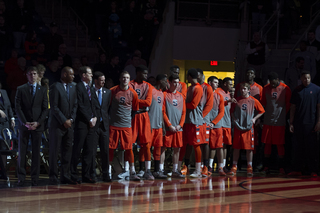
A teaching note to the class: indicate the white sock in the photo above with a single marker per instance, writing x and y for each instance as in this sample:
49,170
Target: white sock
126,166
147,165
220,165
250,163
224,162
133,169
174,167
110,169
179,164
161,166
235,163
198,167
211,162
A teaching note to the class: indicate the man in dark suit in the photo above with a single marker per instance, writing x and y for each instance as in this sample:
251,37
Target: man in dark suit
102,101
32,109
84,128
63,109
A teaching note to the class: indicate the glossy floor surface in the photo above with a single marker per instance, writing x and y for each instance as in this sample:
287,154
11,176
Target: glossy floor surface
212,194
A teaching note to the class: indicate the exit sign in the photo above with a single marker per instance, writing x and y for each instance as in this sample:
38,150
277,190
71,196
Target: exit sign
214,63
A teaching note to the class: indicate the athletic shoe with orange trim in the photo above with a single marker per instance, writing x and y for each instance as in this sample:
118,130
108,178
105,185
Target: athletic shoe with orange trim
204,171
313,174
249,171
221,172
185,170
233,170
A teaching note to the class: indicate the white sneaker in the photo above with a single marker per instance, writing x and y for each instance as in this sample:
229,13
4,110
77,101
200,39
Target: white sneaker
196,174
140,174
124,174
169,174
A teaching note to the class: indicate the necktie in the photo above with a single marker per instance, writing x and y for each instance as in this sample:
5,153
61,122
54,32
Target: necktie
67,90
32,89
89,92
99,97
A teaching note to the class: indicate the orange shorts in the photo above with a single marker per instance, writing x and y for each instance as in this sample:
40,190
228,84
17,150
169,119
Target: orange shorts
192,134
173,139
243,139
216,138
273,134
124,134
206,133
226,136
157,138
141,128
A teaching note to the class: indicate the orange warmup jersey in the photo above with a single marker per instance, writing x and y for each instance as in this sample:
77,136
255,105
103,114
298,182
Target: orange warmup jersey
141,122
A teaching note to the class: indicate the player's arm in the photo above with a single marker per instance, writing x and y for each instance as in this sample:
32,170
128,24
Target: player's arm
184,89
148,100
261,92
183,116
135,103
165,117
221,111
288,97
197,94
209,104
264,98
259,108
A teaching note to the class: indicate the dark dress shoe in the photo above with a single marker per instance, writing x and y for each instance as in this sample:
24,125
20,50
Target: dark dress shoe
89,180
53,181
34,183
78,181
20,182
68,181
106,179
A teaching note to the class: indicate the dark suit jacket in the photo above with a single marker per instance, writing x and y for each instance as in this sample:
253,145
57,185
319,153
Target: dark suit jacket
102,111
5,107
62,108
85,110
30,108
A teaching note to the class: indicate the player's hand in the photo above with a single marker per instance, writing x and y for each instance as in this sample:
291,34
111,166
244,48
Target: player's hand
33,125
93,122
233,100
13,123
172,128
258,122
291,128
27,124
67,124
2,114
253,121
178,128
317,127
211,125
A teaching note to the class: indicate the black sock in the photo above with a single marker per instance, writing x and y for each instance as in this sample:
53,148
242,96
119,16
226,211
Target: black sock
206,163
281,163
186,162
141,163
156,165
266,162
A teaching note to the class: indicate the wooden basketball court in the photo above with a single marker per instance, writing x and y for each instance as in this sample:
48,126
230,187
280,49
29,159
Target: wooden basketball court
212,194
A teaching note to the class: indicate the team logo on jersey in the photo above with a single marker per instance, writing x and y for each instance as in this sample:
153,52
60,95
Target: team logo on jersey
226,98
175,102
122,100
274,95
244,107
138,91
159,99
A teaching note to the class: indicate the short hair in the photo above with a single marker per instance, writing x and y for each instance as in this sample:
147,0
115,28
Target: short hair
141,68
113,56
32,68
174,67
97,75
312,31
40,67
65,69
200,70
211,78
305,72
123,73
173,77
83,70
272,76
298,59
251,68
160,77
44,81
244,84
226,79
193,73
